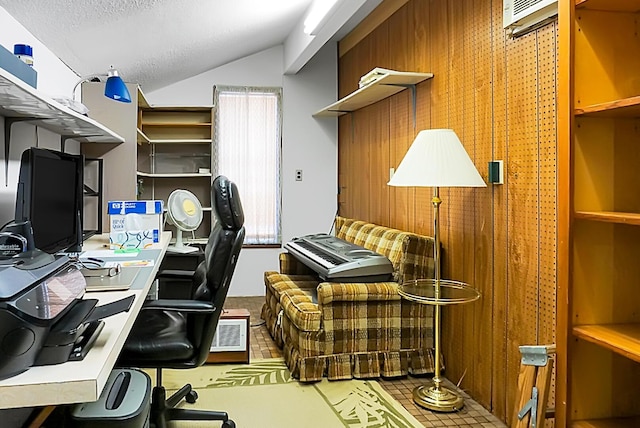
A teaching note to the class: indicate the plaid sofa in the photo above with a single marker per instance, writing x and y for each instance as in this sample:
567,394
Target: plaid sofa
347,330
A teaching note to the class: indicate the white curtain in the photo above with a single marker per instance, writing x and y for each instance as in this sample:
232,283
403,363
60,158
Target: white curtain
247,146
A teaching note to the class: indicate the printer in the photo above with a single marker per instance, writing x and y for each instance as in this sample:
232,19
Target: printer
43,316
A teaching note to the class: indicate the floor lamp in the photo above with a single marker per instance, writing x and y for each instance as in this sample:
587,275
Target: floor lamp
437,159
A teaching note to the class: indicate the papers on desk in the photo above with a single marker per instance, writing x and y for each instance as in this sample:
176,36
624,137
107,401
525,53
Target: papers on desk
105,254
121,281
131,263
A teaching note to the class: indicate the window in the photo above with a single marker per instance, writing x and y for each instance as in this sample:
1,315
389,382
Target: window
247,144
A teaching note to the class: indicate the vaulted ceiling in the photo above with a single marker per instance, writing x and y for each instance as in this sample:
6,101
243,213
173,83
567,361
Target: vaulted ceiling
159,42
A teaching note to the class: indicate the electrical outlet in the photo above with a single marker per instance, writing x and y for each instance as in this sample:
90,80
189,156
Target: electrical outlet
298,175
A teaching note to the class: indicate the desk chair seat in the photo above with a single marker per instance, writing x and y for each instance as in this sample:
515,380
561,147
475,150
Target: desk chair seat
177,334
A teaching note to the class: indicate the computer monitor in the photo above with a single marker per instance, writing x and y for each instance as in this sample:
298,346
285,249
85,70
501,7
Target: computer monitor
50,196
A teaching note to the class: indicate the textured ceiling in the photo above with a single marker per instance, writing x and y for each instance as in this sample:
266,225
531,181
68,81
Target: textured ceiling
156,42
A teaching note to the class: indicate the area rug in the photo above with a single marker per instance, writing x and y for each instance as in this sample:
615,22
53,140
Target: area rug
264,395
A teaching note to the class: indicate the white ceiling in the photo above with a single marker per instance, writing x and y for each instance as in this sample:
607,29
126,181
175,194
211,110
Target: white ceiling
159,42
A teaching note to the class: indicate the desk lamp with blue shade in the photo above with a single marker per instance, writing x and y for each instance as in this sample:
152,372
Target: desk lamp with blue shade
115,88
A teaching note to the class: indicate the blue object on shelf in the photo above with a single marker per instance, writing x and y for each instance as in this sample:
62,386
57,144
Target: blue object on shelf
15,66
24,53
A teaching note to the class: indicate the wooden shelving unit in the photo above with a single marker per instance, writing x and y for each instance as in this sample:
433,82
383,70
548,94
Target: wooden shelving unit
387,85
602,374
177,145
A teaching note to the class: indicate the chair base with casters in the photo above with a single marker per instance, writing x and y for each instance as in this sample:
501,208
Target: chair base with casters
163,409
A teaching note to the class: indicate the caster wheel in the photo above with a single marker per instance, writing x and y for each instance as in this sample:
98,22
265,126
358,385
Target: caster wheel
191,397
228,424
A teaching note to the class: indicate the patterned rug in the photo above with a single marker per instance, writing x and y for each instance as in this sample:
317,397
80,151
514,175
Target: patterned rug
264,395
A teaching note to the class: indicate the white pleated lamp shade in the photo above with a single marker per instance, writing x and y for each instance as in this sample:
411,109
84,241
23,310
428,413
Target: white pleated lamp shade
437,158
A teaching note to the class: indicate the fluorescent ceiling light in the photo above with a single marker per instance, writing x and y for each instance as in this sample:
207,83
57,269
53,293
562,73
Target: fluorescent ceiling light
319,13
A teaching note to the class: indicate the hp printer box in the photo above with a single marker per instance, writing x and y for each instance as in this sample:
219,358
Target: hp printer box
134,224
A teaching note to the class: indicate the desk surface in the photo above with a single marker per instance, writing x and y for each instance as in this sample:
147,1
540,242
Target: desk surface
83,381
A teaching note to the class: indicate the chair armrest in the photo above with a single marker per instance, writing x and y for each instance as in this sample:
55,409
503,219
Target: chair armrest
289,265
186,306
357,291
175,274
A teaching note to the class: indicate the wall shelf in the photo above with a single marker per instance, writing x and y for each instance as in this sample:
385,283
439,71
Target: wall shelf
389,84
19,100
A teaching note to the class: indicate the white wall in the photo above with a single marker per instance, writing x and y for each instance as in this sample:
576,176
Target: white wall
308,144
54,78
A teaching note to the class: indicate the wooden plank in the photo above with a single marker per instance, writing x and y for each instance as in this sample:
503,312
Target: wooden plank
609,217
369,24
627,107
623,339
378,190
499,310
526,382
543,383
564,207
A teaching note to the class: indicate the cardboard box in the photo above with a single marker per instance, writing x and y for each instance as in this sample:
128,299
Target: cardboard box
134,224
15,66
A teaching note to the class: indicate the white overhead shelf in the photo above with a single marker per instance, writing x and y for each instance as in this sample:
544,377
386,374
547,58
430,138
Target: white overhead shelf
388,84
20,101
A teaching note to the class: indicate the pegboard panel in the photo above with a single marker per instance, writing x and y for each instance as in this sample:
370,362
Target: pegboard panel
548,183
452,225
482,338
523,166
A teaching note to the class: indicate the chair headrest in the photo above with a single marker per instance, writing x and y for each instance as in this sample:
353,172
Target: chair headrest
226,203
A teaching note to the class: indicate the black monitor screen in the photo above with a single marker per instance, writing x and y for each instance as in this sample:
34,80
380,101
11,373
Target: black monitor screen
50,196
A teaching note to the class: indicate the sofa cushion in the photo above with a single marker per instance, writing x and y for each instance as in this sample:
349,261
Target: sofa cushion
301,308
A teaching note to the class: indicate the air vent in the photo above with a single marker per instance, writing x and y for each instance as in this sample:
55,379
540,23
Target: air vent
231,335
521,16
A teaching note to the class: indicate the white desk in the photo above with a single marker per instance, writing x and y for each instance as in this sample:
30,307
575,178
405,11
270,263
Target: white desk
83,381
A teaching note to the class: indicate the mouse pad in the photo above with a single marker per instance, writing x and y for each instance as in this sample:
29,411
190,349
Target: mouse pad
121,281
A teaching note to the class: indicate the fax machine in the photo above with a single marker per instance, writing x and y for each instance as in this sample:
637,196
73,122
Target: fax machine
43,316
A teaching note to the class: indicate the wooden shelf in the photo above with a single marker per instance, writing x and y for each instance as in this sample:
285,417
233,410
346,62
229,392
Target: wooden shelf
142,138
631,422
177,108
182,175
177,124
387,85
181,141
627,107
19,100
623,339
609,5
609,217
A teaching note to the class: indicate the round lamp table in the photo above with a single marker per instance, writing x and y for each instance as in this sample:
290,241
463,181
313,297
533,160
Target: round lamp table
434,396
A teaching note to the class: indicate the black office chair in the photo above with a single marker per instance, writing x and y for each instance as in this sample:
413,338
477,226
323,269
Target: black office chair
177,334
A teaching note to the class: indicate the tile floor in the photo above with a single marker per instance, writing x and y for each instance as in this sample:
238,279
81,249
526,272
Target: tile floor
472,415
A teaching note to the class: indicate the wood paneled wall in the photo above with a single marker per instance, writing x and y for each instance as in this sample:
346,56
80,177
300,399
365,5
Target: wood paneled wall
499,95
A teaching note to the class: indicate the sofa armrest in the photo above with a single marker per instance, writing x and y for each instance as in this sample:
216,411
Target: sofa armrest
291,266
357,292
